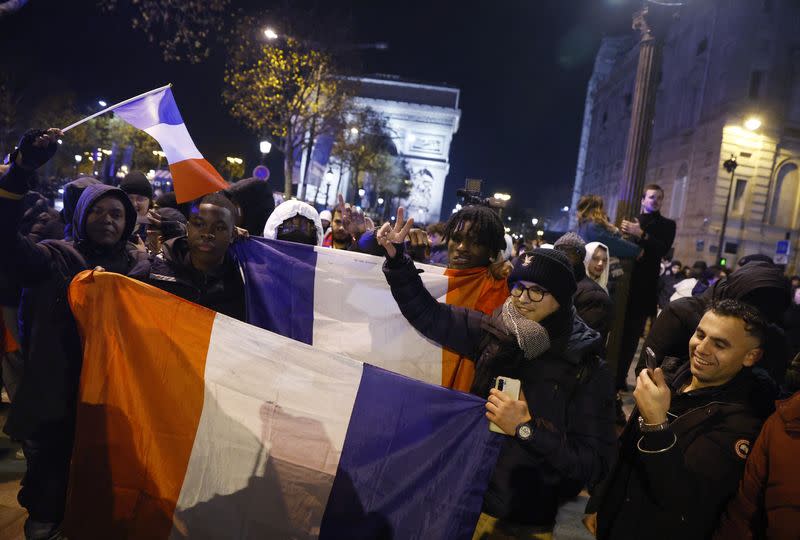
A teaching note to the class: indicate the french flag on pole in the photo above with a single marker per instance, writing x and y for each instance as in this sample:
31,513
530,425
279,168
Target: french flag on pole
157,115
191,424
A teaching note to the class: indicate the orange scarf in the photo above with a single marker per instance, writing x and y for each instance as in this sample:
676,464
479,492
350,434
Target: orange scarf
472,288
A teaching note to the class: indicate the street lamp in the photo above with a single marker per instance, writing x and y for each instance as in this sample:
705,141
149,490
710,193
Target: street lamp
270,34
565,209
102,103
752,123
78,158
535,221
502,197
380,200
353,131
265,147
730,166
161,155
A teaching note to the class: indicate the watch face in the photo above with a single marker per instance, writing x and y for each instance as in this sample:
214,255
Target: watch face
524,432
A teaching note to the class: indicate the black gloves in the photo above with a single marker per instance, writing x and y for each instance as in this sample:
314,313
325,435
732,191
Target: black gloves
34,156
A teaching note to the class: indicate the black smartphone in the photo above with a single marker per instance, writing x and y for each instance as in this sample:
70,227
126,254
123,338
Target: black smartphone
650,359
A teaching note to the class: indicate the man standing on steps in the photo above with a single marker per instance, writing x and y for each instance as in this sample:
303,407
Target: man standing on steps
655,234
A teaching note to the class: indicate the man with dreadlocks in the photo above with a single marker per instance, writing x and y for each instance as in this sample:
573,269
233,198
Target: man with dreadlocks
561,429
474,238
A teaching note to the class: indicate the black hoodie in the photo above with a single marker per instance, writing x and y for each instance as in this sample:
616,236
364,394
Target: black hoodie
49,337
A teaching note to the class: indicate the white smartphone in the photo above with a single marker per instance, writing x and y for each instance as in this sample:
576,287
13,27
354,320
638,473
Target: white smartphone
509,387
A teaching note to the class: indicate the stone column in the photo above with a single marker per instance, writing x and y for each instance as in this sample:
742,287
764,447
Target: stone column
636,153
642,116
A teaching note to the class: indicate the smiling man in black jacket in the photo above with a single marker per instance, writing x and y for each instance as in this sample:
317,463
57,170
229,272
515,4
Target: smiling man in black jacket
684,449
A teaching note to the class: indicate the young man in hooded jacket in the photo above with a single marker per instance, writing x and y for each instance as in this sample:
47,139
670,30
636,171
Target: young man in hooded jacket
562,438
43,413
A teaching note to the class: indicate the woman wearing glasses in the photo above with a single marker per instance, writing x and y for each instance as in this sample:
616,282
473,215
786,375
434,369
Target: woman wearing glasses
561,430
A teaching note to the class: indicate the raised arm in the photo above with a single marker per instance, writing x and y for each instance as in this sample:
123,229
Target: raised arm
455,328
23,259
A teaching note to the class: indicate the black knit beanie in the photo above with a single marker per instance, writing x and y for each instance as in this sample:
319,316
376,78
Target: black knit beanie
548,268
136,183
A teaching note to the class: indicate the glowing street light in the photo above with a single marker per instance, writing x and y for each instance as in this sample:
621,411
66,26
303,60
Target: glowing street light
380,200
235,160
78,158
752,123
265,147
270,34
361,192
353,131
329,176
102,103
540,233
535,221
565,209
502,196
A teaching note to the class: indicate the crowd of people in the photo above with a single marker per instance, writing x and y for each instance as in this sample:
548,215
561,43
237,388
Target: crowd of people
704,453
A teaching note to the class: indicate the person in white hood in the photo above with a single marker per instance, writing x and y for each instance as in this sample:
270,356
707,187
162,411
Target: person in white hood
596,263
295,221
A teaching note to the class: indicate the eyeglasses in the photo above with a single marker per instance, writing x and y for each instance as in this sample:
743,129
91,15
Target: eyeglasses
535,293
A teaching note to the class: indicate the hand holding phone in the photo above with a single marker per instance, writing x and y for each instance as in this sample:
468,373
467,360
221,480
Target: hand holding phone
509,387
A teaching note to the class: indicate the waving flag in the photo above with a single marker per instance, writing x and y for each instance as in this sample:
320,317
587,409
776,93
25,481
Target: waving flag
339,301
191,424
157,114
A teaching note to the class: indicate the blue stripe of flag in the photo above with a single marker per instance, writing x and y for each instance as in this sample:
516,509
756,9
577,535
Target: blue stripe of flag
279,286
415,464
153,109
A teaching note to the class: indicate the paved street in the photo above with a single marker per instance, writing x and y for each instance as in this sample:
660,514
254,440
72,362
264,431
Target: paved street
12,516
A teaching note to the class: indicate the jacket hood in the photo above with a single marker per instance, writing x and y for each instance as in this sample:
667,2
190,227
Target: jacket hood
590,249
72,193
751,386
91,194
789,409
758,284
582,339
288,210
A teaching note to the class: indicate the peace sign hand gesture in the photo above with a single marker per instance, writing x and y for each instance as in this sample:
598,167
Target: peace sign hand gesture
389,234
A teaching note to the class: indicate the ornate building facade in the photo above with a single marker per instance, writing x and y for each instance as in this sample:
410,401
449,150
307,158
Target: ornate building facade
423,119
729,87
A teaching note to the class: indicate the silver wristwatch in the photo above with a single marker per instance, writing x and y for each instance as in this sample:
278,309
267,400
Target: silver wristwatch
524,431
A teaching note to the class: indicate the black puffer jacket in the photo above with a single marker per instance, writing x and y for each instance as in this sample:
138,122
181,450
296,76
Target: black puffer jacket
221,290
679,491
49,337
568,391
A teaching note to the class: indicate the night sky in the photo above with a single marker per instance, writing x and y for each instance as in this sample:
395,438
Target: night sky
522,67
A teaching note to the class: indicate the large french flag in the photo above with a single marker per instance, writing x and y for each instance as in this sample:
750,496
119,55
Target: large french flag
339,301
194,425
157,115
